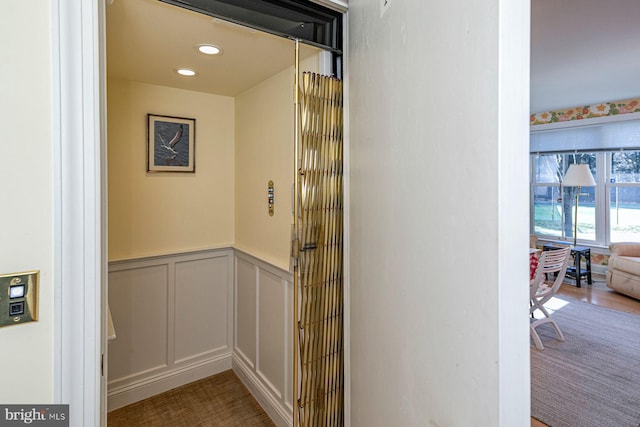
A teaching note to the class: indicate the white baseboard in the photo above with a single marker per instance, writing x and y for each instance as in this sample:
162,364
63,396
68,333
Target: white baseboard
281,416
148,387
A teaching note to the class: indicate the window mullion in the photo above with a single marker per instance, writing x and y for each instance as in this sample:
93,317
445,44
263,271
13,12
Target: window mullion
532,180
602,224
607,198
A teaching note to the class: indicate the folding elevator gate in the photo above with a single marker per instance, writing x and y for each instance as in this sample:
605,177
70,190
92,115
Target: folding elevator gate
318,253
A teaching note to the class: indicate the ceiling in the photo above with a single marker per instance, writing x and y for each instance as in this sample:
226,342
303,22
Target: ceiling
582,51
147,40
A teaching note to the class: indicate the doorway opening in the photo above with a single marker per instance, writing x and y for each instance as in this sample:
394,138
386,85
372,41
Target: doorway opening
180,243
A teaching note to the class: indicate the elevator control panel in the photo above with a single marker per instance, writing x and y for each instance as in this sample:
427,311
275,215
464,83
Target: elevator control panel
18,298
270,197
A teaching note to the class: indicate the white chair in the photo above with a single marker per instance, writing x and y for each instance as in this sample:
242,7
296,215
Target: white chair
555,261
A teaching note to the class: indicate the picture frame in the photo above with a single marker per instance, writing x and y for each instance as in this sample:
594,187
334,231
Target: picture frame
171,144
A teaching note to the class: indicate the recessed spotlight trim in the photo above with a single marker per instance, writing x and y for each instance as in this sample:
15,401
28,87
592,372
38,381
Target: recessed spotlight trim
187,72
209,49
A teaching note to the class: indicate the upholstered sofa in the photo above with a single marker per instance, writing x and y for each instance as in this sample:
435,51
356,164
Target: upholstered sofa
624,269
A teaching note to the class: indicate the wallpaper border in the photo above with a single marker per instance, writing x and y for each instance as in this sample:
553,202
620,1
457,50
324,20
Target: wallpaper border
587,112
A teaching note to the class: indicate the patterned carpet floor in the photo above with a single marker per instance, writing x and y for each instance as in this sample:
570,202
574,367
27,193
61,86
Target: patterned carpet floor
220,400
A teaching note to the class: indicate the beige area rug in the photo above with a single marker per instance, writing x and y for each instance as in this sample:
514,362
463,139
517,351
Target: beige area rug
220,400
593,378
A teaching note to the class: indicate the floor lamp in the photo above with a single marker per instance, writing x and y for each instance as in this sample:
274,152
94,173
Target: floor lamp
578,176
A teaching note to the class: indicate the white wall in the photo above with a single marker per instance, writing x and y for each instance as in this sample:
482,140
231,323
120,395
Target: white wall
436,337
444,358
26,360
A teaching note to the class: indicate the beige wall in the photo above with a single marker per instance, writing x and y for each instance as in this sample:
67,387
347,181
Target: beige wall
159,213
264,151
26,185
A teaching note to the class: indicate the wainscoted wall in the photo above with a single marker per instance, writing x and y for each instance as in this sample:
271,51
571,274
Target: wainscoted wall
182,317
262,344
173,319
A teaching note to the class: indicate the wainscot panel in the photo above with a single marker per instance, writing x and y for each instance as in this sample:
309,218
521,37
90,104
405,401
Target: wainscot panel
245,310
182,317
173,320
271,309
262,343
139,307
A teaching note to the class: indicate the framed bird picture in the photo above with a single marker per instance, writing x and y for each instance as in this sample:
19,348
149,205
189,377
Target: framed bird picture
171,144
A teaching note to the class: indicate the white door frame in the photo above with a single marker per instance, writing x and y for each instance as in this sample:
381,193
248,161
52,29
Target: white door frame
80,249
78,81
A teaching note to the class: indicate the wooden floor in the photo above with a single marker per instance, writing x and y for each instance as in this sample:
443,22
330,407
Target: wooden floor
597,294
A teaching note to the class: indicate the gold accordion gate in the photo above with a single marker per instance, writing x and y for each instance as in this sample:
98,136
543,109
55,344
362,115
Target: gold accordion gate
318,254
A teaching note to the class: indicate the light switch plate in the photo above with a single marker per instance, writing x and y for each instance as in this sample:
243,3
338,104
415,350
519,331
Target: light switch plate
19,298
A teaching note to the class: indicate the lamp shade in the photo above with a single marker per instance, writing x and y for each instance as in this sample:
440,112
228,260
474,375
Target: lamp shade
578,176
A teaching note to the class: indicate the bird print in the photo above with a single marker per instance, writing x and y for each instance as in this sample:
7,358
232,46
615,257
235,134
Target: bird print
172,153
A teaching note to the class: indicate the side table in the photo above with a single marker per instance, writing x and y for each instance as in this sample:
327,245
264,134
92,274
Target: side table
576,271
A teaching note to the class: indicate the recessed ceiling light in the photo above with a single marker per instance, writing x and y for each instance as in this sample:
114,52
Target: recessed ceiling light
186,72
209,49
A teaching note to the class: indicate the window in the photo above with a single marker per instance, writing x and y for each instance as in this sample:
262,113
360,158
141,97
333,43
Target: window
553,204
624,196
608,212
